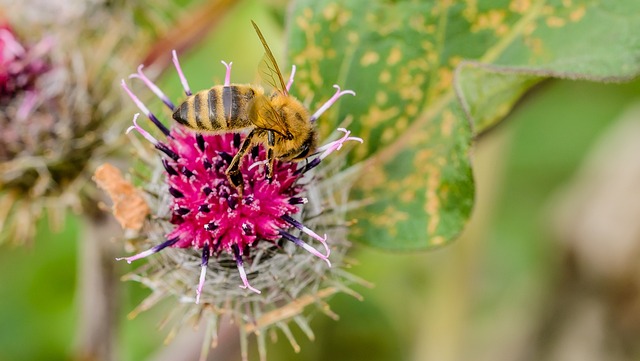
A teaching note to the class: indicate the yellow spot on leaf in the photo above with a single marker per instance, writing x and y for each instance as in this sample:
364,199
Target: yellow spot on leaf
394,56
377,116
307,13
491,20
388,134
330,11
362,152
445,80
441,7
411,91
401,123
410,84
422,157
419,138
555,22
408,195
529,28
336,15
577,14
503,109
454,61
370,57
520,6
437,240
471,10
448,120
353,37
313,53
432,57
417,22
381,97
343,17
384,77
389,220
371,17
410,186
535,44
432,201
411,109
375,178
420,64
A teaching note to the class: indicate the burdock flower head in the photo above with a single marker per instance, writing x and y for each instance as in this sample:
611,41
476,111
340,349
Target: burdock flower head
58,103
258,253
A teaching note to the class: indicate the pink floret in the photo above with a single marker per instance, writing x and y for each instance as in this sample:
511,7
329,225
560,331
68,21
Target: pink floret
211,210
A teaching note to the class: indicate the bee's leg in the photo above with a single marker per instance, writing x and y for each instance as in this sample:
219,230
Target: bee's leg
271,141
233,171
227,75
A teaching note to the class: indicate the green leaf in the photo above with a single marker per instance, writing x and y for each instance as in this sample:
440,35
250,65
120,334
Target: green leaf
431,75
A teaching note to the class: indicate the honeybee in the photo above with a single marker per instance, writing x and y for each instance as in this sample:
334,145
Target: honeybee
279,121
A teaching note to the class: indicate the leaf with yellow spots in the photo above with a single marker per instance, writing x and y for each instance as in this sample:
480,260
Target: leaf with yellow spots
429,76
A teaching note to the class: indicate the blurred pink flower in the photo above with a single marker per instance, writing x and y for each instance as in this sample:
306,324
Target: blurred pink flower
20,64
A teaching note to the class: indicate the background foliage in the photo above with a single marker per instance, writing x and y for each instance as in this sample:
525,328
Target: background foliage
493,294
408,60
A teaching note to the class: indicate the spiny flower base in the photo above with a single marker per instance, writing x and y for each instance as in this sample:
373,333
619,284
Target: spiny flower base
293,283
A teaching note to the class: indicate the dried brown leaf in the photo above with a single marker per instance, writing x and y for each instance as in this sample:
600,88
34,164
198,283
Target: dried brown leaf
129,208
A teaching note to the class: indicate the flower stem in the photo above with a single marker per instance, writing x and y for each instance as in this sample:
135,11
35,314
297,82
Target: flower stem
97,289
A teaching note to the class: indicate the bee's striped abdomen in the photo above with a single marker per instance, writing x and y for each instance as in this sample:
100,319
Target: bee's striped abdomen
220,108
212,101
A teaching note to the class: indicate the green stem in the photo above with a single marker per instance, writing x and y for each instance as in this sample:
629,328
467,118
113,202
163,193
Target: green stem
98,291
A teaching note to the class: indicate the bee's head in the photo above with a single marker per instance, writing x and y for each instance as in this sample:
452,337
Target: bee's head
308,146
298,148
302,138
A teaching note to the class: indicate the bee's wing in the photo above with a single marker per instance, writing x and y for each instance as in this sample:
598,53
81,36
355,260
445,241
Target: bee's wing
269,69
266,117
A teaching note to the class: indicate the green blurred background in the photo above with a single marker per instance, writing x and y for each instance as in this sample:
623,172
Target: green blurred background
505,290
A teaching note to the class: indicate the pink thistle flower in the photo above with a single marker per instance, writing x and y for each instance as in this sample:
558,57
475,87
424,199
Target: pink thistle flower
207,213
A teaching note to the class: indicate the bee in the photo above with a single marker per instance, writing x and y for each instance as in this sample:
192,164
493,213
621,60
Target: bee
279,122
